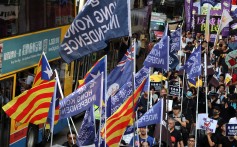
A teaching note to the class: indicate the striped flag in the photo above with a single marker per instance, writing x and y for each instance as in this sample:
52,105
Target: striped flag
116,124
32,106
44,71
54,108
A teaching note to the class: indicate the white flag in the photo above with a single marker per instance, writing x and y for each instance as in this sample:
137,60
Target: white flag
225,19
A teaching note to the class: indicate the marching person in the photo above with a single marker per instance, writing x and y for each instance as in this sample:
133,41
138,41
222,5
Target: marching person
70,137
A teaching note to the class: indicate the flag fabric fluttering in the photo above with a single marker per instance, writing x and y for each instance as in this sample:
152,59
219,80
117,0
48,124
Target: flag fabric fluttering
121,73
225,20
44,71
117,123
126,90
81,99
155,113
32,106
94,71
175,39
54,108
193,65
96,23
86,135
159,55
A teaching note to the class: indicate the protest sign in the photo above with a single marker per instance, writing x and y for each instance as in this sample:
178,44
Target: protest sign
206,123
231,129
157,85
174,90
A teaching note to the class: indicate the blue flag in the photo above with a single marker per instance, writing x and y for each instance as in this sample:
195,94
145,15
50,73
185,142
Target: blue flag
95,70
193,66
152,116
126,90
46,69
159,55
81,99
54,108
173,61
121,73
175,38
97,22
87,131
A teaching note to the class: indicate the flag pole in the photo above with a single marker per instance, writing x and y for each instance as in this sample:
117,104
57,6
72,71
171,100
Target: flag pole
62,96
206,88
161,121
106,96
53,107
133,108
148,88
196,114
137,129
182,95
101,98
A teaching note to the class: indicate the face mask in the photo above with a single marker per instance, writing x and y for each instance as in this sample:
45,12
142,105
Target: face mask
189,94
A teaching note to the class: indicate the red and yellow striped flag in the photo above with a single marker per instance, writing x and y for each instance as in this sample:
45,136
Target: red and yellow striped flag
32,105
117,123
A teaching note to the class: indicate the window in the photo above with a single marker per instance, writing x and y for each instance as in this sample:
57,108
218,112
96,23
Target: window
23,16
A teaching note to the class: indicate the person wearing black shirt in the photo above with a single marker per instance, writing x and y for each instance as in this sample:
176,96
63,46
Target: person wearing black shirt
188,49
209,140
175,133
70,137
142,104
221,59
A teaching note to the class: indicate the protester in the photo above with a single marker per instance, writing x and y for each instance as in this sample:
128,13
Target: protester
142,137
191,141
175,133
71,140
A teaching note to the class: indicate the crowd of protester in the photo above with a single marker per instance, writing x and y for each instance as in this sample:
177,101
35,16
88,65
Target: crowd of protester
180,122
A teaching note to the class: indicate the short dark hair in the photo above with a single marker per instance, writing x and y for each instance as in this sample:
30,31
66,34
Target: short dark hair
73,132
191,136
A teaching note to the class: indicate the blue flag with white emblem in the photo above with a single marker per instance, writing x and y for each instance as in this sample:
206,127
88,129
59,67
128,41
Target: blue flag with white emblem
87,131
98,22
121,73
126,90
159,55
193,66
173,61
175,39
152,116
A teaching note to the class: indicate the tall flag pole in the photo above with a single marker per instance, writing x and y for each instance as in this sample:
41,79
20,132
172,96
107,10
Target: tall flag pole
53,108
207,38
69,126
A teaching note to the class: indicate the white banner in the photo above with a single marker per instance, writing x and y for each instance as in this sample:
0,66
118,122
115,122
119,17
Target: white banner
206,123
8,12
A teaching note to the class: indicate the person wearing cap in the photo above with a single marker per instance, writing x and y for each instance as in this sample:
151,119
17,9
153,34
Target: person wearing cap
180,122
175,134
